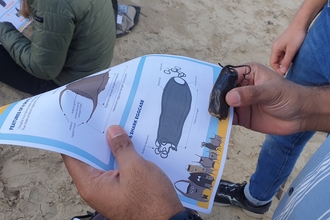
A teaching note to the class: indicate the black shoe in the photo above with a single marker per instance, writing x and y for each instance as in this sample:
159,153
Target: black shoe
233,194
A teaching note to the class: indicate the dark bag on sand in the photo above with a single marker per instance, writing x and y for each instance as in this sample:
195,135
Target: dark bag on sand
127,18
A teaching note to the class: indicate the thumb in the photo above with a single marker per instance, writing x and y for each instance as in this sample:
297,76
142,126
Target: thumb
121,145
248,95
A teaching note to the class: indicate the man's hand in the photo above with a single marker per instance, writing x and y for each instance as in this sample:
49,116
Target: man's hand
137,190
270,103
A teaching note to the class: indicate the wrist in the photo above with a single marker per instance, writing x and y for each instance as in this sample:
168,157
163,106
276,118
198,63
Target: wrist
317,114
299,24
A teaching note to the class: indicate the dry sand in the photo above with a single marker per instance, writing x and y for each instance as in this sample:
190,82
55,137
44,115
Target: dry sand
34,184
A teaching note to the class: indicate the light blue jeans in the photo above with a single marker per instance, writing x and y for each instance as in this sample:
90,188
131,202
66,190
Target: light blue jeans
278,155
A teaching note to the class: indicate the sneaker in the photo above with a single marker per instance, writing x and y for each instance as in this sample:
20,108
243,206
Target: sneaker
233,194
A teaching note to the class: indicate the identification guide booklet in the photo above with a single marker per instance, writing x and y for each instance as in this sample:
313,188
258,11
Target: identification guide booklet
9,12
162,103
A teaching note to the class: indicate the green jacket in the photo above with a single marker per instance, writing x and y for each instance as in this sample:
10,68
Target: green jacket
71,39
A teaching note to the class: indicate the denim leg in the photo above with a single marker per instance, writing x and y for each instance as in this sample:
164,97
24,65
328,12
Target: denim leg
278,155
311,65
276,161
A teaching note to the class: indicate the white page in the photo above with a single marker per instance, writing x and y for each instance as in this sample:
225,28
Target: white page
9,12
157,99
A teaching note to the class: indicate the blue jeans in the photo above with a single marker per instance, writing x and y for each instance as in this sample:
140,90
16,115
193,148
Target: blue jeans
310,67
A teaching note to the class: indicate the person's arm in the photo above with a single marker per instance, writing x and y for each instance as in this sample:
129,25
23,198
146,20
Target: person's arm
44,55
307,12
139,189
274,105
287,45
318,109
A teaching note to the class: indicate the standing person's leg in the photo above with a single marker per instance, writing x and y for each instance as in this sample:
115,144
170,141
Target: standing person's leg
277,158
279,154
15,76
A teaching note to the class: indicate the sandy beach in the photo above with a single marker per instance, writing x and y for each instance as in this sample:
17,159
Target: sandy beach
34,184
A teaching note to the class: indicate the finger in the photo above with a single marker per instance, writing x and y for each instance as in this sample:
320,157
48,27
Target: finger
275,61
235,118
245,72
244,116
276,58
120,145
286,61
249,95
76,167
79,171
90,181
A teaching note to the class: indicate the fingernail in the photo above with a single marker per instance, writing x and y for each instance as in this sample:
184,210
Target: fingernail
283,69
234,98
115,131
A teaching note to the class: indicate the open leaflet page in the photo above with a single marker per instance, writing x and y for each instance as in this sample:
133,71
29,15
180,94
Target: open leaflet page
9,12
162,103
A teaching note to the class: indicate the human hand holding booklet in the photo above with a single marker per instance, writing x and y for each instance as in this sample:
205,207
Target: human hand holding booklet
9,11
162,103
